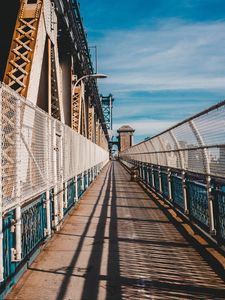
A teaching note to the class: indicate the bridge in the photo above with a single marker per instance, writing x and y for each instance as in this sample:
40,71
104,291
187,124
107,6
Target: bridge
75,224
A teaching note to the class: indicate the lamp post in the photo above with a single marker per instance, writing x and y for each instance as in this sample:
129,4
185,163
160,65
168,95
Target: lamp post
98,75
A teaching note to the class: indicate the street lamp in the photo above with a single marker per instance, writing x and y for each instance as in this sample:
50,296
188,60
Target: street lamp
98,75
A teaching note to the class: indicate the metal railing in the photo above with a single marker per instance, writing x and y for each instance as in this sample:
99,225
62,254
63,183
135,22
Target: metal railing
45,167
186,165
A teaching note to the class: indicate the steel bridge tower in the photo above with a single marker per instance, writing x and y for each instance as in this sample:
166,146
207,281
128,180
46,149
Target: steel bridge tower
107,106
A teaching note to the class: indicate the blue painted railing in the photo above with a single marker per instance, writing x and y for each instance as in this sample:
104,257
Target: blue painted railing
34,225
177,191
188,193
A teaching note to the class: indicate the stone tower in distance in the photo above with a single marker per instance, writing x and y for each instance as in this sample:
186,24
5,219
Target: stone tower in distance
125,137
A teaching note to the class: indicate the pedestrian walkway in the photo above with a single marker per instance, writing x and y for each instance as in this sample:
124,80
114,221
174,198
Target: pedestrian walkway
118,245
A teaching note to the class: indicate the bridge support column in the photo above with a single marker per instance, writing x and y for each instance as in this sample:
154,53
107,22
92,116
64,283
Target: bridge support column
210,206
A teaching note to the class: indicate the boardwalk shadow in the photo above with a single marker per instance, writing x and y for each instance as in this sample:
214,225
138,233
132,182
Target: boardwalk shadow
143,258
69,273
91,286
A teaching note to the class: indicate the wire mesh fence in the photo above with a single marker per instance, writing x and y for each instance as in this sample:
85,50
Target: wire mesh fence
196,145
37,151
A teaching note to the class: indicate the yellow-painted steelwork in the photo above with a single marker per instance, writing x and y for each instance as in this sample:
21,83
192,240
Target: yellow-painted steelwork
22,47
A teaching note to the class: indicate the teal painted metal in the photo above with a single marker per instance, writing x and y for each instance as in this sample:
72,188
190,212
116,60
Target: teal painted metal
79,185
150,177
177,191
8,244
33,225
156,179
220,210
89,177
196,193
146,173
70,195
198,202
85,178
51,196
165,184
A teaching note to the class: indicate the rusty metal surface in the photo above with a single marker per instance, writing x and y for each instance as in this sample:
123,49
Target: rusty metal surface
118,245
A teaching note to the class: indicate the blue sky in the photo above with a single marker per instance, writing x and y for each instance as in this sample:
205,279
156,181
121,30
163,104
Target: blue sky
165,58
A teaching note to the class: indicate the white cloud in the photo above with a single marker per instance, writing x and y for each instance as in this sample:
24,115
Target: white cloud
174,55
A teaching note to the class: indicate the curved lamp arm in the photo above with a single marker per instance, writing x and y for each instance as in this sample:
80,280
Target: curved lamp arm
89,76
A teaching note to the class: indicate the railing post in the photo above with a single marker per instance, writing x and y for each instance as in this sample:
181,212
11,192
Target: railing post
184,188
160,180
61,174
65,195
152,174
17,253
210,206
56,208
48,210
1,197
169,184
92,174
48,213
147,179
82,181
143,171
76,189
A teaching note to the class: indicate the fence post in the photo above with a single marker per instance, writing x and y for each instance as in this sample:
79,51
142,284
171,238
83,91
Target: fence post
185,195
169,184
147,173
17,253
210,206
56,208
82,181
76,189
48,210
61,212
65,195
152,174
160,180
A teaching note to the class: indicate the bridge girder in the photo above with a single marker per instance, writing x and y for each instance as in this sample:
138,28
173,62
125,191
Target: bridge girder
48,51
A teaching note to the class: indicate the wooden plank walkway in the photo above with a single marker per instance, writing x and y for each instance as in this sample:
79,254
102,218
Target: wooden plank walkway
118,245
